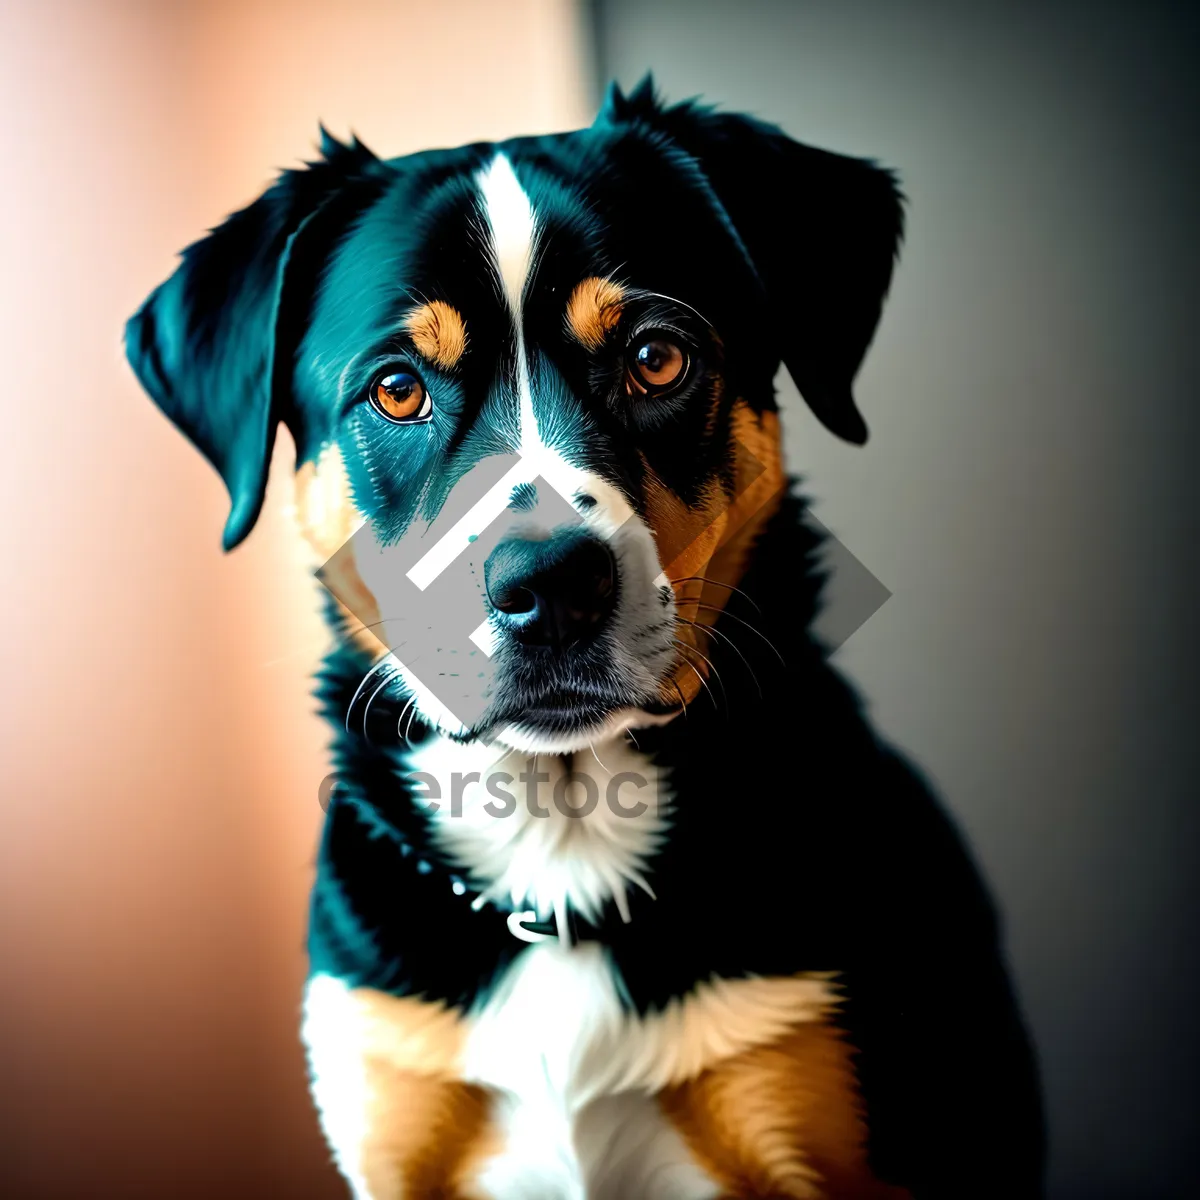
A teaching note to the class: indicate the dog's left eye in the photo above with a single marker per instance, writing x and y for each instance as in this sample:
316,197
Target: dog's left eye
656,365
401,397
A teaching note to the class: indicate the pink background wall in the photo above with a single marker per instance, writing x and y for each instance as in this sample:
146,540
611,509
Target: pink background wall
161,759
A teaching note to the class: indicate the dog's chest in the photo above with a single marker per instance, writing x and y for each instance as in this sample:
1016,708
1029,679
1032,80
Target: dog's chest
557,1050
577,1075
541,832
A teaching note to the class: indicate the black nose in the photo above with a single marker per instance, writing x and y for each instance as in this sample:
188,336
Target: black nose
553,592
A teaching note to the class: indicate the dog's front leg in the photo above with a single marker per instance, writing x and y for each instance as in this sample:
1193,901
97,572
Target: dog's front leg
400,1122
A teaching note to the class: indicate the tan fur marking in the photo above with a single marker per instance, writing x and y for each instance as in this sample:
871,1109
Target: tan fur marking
418,1129
705,547
594,310
438,332
425,1137
783,1120
409,1034
327,518
325,510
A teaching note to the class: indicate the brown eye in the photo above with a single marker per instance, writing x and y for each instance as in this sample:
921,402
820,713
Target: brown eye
656,365
401,397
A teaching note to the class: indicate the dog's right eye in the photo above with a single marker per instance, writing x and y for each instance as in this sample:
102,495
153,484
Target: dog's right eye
657,365
401,397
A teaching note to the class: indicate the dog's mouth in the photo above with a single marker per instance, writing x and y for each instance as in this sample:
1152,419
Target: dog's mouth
563,713
568,729
564,720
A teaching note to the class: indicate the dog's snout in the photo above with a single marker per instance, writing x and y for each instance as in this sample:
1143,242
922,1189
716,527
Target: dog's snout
552,592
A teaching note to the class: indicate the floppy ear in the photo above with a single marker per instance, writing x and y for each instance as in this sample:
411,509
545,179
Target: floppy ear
821,231
213,345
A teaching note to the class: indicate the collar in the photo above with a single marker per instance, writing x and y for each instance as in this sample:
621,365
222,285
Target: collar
523,924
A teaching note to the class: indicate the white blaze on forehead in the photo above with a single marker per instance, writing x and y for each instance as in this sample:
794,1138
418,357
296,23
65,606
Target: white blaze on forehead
509,215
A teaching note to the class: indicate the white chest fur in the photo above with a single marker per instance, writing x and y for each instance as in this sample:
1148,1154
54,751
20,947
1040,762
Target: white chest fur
546,832
545,1044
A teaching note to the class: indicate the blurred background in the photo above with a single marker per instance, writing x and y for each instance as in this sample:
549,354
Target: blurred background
1026,496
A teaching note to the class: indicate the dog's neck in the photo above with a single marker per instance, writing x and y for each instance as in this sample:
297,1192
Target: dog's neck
605,859
555,835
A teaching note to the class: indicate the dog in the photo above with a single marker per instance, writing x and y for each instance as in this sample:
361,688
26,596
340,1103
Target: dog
618,894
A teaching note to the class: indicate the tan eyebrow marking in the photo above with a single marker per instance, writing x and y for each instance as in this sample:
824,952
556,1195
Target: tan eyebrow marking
438,332
594,310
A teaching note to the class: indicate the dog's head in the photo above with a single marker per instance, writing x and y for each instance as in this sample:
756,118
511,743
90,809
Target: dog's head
530,386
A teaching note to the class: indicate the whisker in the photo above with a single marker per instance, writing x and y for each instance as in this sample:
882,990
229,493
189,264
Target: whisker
359,690
642,293
411,701
703,681
412,712
715,673
371,699
715,583
757,632
732,645
388,652
592,748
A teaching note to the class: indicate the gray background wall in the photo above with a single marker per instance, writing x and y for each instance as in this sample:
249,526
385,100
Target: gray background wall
1025,493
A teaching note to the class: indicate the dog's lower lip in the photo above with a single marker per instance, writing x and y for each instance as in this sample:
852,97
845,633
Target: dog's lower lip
571,711
563,712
